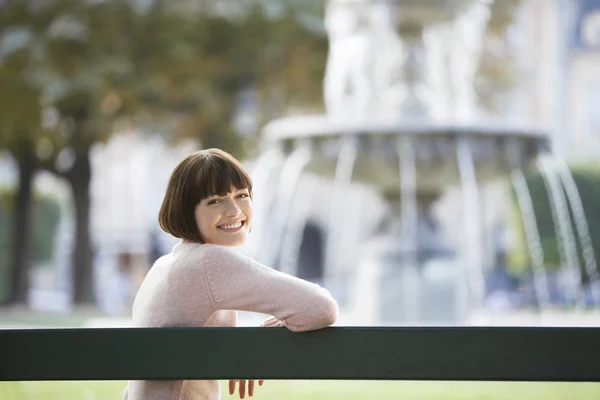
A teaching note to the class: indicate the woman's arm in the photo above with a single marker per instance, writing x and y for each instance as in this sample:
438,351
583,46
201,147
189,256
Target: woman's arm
237,282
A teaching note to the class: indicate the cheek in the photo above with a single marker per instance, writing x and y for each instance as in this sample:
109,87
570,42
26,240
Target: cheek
248,209
204,218
209,220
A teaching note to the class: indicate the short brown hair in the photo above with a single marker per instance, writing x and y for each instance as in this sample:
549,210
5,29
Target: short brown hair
200,175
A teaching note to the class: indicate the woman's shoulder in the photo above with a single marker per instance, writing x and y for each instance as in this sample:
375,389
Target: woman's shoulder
218,253
206,253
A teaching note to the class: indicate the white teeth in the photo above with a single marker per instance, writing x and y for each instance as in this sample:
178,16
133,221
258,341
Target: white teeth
232,226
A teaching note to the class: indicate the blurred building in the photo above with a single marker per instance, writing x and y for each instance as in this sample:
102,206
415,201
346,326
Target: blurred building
130,176
582,80
562,74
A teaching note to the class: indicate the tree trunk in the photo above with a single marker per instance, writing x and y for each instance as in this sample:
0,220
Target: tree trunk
80,178
21,245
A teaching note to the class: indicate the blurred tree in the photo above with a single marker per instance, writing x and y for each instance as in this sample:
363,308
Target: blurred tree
20,130
277,50
101,66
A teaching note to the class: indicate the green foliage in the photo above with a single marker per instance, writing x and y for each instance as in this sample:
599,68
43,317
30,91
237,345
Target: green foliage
587,179
175,64
517,259
45,219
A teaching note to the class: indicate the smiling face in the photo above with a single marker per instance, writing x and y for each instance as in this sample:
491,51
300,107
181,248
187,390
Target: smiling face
209,192
225,220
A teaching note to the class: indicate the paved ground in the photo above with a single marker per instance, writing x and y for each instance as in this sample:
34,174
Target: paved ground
23,318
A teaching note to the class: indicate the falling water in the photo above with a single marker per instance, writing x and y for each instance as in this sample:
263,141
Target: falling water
343,177
290,175
558,232
472,244
532,234
261,174
562,224
265,165
408,223
583,232
290,248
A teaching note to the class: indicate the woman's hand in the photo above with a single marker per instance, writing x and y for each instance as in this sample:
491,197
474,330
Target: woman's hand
242,387
269,323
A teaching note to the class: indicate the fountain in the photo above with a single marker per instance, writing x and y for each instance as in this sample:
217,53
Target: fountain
384,131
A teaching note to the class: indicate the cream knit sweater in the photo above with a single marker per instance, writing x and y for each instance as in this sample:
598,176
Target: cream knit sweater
204,285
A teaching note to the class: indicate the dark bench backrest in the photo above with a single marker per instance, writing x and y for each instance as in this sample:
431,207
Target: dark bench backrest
407,353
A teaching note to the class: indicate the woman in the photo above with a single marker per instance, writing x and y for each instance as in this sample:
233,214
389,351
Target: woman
203,281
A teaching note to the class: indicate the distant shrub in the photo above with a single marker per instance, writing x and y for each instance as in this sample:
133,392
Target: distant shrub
45,219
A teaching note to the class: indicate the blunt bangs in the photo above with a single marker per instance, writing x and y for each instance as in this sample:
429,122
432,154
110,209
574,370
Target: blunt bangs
219,175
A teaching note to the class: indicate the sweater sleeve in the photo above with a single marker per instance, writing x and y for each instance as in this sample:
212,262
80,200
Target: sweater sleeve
237,282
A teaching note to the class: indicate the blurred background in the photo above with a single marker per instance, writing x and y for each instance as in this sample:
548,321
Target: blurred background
429,162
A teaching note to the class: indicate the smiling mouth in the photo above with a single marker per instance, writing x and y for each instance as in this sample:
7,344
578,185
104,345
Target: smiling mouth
232,227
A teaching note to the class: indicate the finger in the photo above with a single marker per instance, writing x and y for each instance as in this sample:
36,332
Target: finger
231,386
242,389
250,388
270,322
275,324
260,383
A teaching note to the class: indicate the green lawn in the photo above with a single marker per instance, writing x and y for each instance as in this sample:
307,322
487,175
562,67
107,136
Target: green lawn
330,390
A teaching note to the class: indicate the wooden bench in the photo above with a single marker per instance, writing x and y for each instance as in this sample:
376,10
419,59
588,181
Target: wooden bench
359,353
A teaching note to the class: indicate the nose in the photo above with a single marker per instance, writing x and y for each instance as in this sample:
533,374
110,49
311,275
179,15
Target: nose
232,209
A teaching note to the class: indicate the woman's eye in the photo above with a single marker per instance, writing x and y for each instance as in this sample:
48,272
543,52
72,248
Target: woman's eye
243,195
215,201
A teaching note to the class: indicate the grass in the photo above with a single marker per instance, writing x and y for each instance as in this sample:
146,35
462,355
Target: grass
330,390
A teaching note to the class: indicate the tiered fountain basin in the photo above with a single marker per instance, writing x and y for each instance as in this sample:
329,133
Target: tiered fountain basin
496,148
